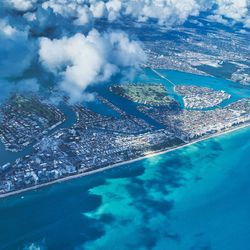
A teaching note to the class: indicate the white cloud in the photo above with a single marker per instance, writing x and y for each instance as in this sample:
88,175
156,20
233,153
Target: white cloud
98,9
76,10
165,12
30,16
84,60
218,19
22,5
79,60
7,30
114,8
234,9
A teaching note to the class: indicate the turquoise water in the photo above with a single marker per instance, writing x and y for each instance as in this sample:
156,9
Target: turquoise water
192,198
182,78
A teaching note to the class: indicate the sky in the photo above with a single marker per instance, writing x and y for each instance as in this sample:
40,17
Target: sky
59,39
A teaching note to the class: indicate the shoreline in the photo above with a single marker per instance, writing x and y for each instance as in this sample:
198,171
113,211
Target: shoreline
156,153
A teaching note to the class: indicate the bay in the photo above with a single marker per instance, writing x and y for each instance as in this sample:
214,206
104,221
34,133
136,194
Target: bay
192,198
196,197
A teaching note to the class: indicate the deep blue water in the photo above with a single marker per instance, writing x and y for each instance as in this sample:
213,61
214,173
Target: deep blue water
192,198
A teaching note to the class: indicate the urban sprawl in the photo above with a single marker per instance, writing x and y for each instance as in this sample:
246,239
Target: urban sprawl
97,141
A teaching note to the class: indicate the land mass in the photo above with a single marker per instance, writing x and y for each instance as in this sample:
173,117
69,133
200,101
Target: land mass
97,142
195,97
26,119
152,154
151,94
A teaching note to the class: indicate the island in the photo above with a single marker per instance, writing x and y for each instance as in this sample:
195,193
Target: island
96,142
195,97
151,94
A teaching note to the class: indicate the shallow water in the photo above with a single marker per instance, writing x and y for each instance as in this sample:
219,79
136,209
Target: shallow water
192,198
234,89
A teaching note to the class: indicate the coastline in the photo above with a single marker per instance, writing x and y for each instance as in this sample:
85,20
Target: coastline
156,153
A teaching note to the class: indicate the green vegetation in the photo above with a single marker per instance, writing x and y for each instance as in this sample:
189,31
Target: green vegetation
32,105
151,94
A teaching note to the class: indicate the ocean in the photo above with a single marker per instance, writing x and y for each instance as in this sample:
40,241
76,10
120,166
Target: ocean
193,198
